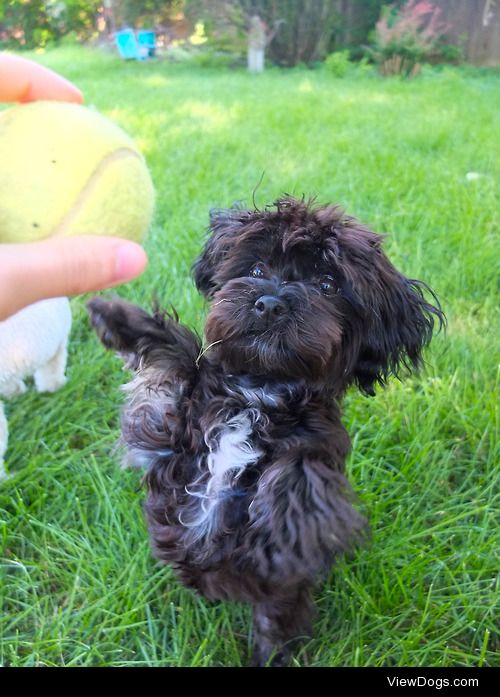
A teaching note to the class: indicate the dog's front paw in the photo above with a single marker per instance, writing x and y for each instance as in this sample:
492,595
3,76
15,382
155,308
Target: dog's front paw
12,388
46,381
122,327
102,317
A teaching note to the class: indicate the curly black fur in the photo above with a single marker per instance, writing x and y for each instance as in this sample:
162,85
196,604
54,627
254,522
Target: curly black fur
243,443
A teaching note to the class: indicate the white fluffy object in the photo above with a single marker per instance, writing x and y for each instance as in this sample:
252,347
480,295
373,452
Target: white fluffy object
33,343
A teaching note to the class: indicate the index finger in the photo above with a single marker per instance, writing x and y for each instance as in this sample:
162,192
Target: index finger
22,80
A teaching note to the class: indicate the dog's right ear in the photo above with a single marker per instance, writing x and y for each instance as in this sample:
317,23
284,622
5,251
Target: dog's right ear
224,223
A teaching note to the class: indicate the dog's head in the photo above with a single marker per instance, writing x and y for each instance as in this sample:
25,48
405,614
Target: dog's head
306,292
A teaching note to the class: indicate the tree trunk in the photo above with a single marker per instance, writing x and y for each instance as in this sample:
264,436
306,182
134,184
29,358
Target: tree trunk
257,40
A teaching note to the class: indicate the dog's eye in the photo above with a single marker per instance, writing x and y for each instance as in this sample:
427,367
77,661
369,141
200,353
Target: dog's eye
257,271
327,285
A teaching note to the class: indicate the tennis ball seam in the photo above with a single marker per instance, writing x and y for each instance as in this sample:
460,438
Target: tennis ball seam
89,186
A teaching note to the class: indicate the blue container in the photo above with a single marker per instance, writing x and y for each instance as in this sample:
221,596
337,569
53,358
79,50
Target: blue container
128,46
147,39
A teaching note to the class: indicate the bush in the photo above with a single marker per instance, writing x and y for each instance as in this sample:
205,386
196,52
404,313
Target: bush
450,53
211,58
364,68
338,63
406,37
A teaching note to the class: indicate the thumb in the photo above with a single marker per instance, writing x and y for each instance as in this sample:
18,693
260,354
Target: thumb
64,266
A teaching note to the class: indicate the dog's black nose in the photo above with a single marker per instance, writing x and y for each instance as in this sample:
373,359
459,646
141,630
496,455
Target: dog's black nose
269,306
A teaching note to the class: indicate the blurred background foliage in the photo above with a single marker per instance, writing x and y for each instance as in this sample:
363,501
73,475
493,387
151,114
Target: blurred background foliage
396,37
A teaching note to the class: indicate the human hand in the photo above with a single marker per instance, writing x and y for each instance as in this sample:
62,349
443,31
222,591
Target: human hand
23,80
64,266
56,266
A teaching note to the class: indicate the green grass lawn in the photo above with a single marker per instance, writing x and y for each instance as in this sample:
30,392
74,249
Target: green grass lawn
78,585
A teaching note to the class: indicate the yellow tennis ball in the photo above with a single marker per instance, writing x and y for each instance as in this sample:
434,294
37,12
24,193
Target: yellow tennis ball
67,170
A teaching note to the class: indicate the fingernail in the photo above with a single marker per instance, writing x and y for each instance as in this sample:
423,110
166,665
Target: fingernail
130,261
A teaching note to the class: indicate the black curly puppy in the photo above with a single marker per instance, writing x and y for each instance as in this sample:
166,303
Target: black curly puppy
243,443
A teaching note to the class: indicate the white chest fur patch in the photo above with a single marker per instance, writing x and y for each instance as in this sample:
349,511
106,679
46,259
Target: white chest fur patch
231,451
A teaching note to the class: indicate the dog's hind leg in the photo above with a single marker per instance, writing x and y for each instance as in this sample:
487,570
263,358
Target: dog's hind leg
51,376
279,625
4,437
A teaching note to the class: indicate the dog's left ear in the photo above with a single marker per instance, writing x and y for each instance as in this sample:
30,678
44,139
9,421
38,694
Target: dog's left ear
399,323
224,224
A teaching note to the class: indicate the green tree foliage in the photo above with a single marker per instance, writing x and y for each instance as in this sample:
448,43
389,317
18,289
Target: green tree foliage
34,23
137,13
306,28
302,31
